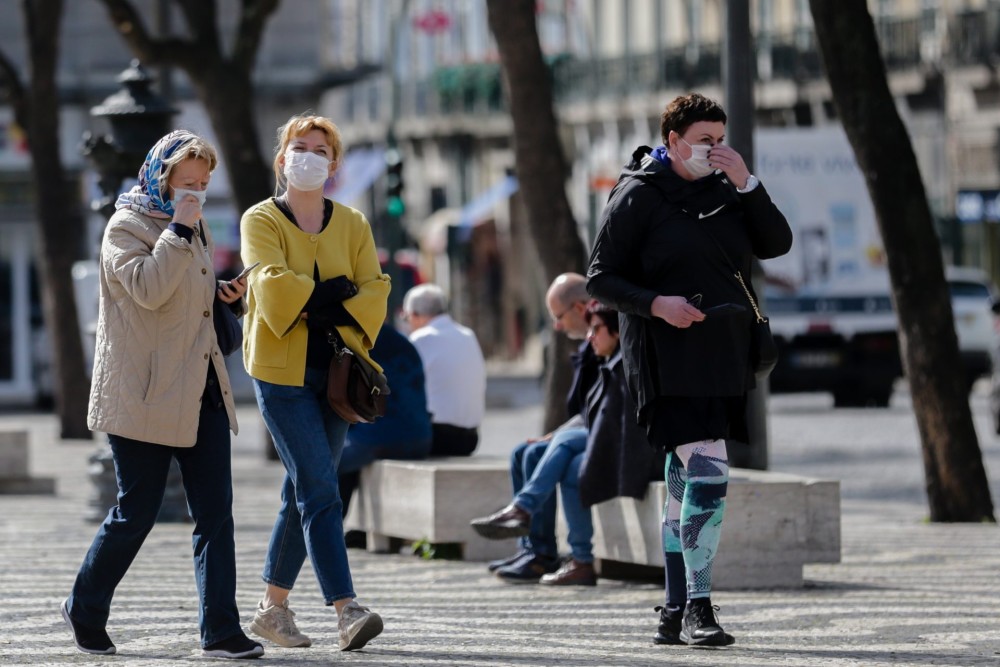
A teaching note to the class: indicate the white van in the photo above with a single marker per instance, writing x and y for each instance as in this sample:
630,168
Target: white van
843,338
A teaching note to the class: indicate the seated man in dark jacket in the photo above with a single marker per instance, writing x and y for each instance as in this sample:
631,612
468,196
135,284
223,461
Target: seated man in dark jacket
566,301
607,456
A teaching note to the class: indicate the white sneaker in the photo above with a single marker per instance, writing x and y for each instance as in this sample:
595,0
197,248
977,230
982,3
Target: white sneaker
277,624
357,626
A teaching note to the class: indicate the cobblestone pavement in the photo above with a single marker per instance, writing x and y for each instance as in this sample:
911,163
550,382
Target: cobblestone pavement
906,593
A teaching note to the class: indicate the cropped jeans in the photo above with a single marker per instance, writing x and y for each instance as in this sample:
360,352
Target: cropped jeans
309,438
560,465
541,538
141,469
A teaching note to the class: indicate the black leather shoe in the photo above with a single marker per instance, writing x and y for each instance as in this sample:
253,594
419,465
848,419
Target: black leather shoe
669,630
495,565
700,627
528,570
511,521
88,640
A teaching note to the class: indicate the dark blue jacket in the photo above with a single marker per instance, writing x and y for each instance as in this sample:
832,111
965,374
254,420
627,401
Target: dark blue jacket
406,418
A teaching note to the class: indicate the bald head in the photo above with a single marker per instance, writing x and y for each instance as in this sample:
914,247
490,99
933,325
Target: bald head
567,301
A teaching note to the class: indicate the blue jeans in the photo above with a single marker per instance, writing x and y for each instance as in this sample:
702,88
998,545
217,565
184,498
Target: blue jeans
309,438
541,539
561,464
141,469
357,455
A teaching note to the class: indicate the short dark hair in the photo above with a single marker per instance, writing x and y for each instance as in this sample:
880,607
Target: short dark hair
609,316
686,110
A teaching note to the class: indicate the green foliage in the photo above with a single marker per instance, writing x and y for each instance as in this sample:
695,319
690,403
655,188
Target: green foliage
443,551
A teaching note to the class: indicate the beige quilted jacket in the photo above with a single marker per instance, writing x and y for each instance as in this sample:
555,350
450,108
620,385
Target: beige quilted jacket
155,334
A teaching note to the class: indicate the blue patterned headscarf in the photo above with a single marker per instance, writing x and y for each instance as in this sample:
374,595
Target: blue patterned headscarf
146,197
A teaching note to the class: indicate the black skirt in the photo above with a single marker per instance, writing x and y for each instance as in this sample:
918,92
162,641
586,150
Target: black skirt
679,420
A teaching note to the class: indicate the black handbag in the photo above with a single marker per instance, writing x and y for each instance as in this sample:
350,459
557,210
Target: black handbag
354,389
763,349
228,330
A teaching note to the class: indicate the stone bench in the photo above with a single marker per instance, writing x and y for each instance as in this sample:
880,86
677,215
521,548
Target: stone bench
432,500
15,476
775,523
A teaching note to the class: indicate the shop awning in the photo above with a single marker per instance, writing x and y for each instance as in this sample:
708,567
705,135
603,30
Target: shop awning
482,206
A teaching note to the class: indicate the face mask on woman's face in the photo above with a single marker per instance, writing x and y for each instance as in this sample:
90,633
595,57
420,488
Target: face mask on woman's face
697,164
181,193
306,171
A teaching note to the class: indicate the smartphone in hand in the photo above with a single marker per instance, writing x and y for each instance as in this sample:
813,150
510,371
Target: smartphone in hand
246,271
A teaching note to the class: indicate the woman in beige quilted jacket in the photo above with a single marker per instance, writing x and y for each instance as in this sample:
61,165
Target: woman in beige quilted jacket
161,392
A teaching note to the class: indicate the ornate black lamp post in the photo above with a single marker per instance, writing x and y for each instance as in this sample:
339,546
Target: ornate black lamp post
138,118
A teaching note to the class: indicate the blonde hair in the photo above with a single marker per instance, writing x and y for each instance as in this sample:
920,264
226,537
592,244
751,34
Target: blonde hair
297,126
196,148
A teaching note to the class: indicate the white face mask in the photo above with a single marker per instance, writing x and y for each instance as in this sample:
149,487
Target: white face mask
697,164
306,171
181,193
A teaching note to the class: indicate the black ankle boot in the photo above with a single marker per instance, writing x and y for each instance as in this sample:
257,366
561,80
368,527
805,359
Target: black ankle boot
669,630
700,626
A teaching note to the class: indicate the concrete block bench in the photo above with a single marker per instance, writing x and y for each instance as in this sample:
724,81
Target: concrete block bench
15,476
433,500
775,523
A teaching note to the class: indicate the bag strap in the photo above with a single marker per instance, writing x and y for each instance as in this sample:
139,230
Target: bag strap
335,341
736,274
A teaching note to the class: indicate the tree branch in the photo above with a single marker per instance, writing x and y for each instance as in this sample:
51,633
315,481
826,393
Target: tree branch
201,19
15,94
148,50
250,30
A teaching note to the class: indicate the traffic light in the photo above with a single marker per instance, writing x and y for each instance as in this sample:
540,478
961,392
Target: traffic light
394,183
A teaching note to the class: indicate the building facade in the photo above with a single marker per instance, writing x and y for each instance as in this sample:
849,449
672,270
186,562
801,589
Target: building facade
424,75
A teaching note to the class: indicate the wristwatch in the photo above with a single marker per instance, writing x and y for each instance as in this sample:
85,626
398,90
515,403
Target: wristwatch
752,182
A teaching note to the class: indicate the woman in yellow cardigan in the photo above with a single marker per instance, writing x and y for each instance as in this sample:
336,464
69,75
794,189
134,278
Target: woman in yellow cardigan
318,271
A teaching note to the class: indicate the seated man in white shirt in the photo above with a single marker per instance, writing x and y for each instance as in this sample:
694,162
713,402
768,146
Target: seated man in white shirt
453,368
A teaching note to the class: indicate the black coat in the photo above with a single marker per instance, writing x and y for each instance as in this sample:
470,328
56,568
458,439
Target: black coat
661,235
586,371
618,460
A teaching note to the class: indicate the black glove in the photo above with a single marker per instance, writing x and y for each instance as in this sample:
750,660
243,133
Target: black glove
329,292
340,288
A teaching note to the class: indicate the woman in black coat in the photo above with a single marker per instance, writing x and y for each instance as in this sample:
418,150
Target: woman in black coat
674,254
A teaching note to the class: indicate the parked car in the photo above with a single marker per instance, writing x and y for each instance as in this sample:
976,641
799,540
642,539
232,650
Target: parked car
843,338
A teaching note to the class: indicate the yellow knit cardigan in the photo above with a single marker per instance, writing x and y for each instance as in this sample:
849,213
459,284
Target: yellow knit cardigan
274,332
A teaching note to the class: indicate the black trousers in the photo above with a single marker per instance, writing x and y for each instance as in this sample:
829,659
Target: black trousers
451,440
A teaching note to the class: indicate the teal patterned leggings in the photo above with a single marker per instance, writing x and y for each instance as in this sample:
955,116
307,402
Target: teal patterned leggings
697,476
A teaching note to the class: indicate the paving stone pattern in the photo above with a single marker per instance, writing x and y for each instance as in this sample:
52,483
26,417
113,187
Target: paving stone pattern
906,593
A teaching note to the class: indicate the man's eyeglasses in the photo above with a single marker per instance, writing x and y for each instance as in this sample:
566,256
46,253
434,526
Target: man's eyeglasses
558,318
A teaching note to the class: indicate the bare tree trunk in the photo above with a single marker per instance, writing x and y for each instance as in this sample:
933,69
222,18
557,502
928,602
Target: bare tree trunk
228,97
541,169
957,487
60,220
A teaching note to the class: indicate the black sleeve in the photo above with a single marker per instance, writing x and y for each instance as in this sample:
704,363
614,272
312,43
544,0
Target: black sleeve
182,231
329,317
611,276
770,235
